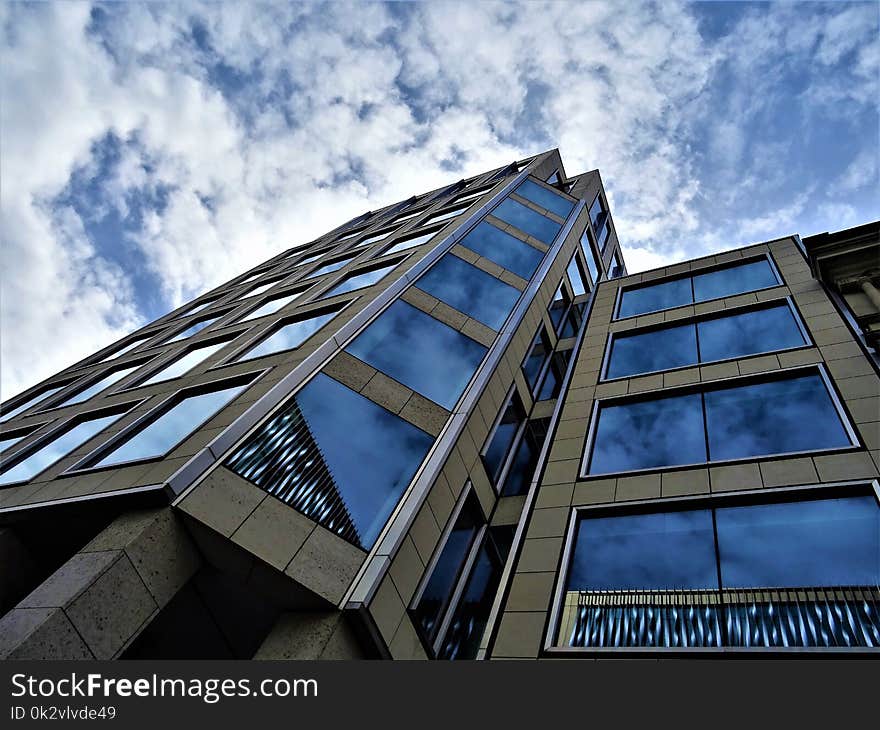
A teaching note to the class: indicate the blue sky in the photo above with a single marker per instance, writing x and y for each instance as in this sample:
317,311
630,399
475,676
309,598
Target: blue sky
151,151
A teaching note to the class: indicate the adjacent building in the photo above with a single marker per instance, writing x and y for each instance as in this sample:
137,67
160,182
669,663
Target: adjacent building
456,428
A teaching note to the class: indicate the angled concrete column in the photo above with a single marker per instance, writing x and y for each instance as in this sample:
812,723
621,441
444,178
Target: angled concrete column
101,598
324,635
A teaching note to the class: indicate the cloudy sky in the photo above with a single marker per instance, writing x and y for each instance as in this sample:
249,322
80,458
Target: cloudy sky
151,151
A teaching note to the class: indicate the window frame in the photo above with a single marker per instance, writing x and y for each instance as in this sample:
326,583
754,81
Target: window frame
715,385
498,484
694,320
618,297
747,497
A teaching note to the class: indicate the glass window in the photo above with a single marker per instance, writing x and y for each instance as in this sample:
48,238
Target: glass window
653,298
539,353
359,280
576,277
648,434
193,329
56,448
376,237
749,333
617,269
419,351
590,255
522,468
504,249
603,234
648,352
558,307
527,220
470,290
288,336
471,196
407,216
169,428
260,289
271,306
184,364
447,214
7,442
554,178
313,257
438,591
332,266
114,376
597,212
546,198
335,456
775,417
555,375
408,243
573,321
198,307
495,453
33,400
126,348
734,280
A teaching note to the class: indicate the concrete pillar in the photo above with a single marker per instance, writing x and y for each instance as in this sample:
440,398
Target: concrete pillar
871,292
101,598
324,635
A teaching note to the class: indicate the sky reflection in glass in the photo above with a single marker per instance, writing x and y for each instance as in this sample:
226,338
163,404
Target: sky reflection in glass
167,430
505,250
527,220
359,281
184,364
288,337
332,266
57,448
409,243
102,384
653,298
547,199
470,290
777,417
575,277
648,434
749,333
272,306
651,351
734,280
127,348
33,400
193,329
371,453
419,351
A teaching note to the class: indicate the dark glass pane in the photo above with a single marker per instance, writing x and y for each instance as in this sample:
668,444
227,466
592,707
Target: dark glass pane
827,542
603,233
359,281
734,280
534,362
335,456
762,330
653,298
171,427
573,321
440,586
777,417
648,352
663,550
547,199
466,628
289,336
576,277
470,290
57,448
558,307
419,351
522,468
498,448
555,374
504,249
527,220
647,434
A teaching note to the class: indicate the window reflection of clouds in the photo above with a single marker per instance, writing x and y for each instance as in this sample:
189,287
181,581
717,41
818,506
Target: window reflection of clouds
527,220
470,290
647,434
503,249
649,351
734,280
653,298
289,336
420,352
554,202
749,333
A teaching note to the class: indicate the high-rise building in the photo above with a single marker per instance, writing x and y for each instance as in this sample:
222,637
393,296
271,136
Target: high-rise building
456,428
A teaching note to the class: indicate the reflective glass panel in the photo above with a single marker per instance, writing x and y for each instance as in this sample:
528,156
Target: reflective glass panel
313,257
761,330
193,329
408,243
272,306
470,290
260,289
496,451
596,211
335,456
504,249
555,373
653,298
527,220
184,364
127,348
446,214
647,352
538,355
734,280
558,307
590,256
376,237
102,384
554,202
777,417
332,266
665,550
359,281
828,542
33,400
419,351
198,308
7,442
159,436
648,434
58,447
288,337
522,468
576,278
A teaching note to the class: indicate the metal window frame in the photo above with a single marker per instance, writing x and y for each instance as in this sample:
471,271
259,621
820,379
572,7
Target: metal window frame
806,492
508,455
714,385
708,269
695,320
